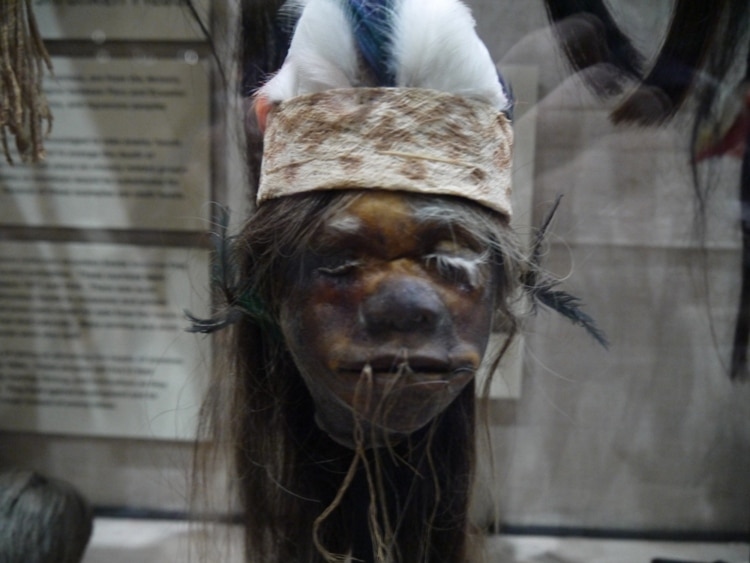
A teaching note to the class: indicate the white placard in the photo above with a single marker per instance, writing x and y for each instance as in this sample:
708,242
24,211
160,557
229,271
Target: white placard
93,342
105,20
128,149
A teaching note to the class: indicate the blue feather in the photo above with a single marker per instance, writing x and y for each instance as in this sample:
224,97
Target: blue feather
371,24
509,94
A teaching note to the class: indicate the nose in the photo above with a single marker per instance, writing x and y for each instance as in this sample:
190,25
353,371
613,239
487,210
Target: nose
403,305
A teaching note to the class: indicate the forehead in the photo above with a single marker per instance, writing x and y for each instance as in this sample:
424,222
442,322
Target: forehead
371,211
396,219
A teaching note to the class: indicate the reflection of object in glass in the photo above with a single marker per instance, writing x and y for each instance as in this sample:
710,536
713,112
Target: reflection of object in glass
698,62
98,36
728,135
143,57
103,56
590,36
23,107
191,57
42,519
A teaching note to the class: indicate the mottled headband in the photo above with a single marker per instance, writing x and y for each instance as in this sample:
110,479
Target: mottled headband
404,139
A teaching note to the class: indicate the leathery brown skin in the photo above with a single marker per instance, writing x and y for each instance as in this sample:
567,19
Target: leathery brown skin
370,300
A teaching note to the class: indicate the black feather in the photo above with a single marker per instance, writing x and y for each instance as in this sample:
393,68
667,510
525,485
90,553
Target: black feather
236,298
541,287
224,279
224,269
207,326
569,306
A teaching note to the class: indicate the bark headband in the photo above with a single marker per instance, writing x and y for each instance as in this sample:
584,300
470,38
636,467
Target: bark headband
406,139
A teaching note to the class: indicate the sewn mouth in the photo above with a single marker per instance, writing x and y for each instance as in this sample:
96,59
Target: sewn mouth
417,366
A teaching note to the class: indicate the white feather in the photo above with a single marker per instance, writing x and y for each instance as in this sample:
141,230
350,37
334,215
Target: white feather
436,46
322,54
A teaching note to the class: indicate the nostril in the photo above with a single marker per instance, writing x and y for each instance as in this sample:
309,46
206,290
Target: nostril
403,305
413,320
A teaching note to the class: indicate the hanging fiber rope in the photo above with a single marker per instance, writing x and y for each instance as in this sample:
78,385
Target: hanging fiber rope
23,106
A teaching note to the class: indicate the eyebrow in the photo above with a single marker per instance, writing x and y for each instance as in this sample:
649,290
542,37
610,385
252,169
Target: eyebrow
439,215
450,224
451,221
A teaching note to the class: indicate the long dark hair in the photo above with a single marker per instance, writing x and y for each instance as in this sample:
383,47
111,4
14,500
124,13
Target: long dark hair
304,497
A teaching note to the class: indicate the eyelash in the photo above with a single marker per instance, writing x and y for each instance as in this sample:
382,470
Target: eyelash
338,268
455,269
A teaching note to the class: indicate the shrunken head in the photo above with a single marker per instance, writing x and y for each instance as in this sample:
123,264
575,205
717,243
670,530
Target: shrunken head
388,309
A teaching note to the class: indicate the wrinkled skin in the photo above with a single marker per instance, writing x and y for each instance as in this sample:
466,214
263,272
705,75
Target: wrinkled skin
387,319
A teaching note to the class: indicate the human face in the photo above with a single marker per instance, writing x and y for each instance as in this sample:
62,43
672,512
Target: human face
387,317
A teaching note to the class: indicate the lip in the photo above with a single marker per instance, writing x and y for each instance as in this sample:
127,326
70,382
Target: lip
409,389
391,363
421,367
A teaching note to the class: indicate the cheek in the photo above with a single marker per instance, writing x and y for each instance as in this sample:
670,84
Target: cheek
479,321
472,314
318,319
332,306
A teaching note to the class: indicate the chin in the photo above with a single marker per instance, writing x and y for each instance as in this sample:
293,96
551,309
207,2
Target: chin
385,409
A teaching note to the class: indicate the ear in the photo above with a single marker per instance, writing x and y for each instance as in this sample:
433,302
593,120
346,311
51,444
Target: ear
261,107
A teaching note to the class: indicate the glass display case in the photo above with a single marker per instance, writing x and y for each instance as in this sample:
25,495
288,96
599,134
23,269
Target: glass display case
634,451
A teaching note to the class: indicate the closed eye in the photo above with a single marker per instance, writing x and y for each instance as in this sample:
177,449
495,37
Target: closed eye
339,267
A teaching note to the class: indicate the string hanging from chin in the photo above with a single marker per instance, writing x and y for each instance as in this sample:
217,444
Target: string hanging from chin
23,106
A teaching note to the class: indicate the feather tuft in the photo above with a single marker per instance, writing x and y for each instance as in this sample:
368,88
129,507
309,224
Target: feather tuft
401,43
322,54
438,48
